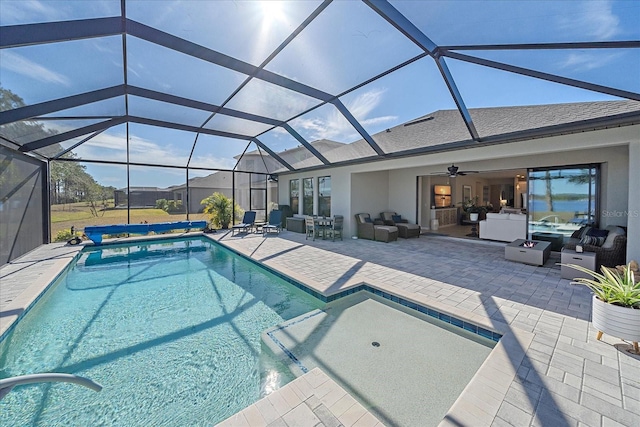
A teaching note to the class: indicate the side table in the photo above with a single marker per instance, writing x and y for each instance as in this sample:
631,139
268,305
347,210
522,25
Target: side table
474,227
584,259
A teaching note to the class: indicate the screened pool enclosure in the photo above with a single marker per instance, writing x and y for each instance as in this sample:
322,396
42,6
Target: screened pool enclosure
121,111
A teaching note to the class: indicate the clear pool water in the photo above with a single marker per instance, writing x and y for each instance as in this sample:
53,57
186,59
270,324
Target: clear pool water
171,329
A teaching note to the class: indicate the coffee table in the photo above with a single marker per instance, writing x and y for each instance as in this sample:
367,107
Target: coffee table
536,255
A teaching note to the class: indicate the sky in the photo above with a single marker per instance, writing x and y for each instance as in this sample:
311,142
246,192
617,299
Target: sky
345,46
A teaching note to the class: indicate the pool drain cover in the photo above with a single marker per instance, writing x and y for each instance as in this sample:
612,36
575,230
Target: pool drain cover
375,344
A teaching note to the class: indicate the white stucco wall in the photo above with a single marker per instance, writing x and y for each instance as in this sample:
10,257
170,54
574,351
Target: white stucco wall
369,194
609,147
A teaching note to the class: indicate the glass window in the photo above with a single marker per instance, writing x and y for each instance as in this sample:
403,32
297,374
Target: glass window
561,200
307,201
294,194
324,196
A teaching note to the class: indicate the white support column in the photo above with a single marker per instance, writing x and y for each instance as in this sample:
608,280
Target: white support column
633,209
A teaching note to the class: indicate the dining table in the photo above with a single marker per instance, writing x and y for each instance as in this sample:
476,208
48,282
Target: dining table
323,224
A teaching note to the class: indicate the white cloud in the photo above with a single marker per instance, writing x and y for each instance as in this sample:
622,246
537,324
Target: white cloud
587,61
334,126
27,10
594,19
21,65
113,146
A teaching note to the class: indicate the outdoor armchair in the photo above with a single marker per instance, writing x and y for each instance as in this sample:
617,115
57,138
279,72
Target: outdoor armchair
365,226
613,251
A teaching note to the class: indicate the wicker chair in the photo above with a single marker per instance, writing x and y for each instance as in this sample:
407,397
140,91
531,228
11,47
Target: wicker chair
611,256
365,227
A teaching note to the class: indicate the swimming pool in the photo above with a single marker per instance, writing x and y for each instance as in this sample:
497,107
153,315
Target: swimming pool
170,328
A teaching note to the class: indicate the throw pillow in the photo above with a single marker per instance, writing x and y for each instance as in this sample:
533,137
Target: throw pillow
611,237
592,240
396,218
367,219
579,233
596,232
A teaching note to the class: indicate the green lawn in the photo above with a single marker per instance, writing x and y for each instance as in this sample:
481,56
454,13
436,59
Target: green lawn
79,215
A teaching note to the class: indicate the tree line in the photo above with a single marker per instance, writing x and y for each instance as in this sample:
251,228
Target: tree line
70,181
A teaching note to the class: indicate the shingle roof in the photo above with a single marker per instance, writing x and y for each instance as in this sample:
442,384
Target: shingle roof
446,126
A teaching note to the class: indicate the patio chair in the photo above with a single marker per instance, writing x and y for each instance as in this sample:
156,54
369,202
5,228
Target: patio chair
275,222
312,228
336,227
247,223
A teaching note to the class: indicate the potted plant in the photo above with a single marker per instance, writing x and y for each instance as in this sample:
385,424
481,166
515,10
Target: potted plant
472,208
616,301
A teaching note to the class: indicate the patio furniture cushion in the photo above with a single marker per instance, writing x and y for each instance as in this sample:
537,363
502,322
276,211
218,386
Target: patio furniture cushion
611,236
592,240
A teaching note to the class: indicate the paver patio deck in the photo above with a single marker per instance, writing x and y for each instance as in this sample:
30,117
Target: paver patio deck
548,370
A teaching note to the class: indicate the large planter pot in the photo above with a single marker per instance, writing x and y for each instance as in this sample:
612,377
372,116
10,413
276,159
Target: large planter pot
620,322
473,216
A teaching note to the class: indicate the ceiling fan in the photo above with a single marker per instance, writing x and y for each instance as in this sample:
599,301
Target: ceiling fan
453,172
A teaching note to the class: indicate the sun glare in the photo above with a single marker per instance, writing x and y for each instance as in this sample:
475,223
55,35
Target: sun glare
272,10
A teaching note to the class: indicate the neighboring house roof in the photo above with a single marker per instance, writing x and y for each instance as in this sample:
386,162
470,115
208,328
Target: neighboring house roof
215,180
131,189
446,126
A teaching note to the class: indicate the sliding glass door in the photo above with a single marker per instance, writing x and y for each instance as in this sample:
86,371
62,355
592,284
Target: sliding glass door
561,200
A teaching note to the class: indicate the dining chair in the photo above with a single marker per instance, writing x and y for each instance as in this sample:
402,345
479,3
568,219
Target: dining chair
311,228
336,227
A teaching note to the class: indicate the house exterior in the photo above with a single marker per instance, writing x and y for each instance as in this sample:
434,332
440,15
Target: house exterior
606,134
